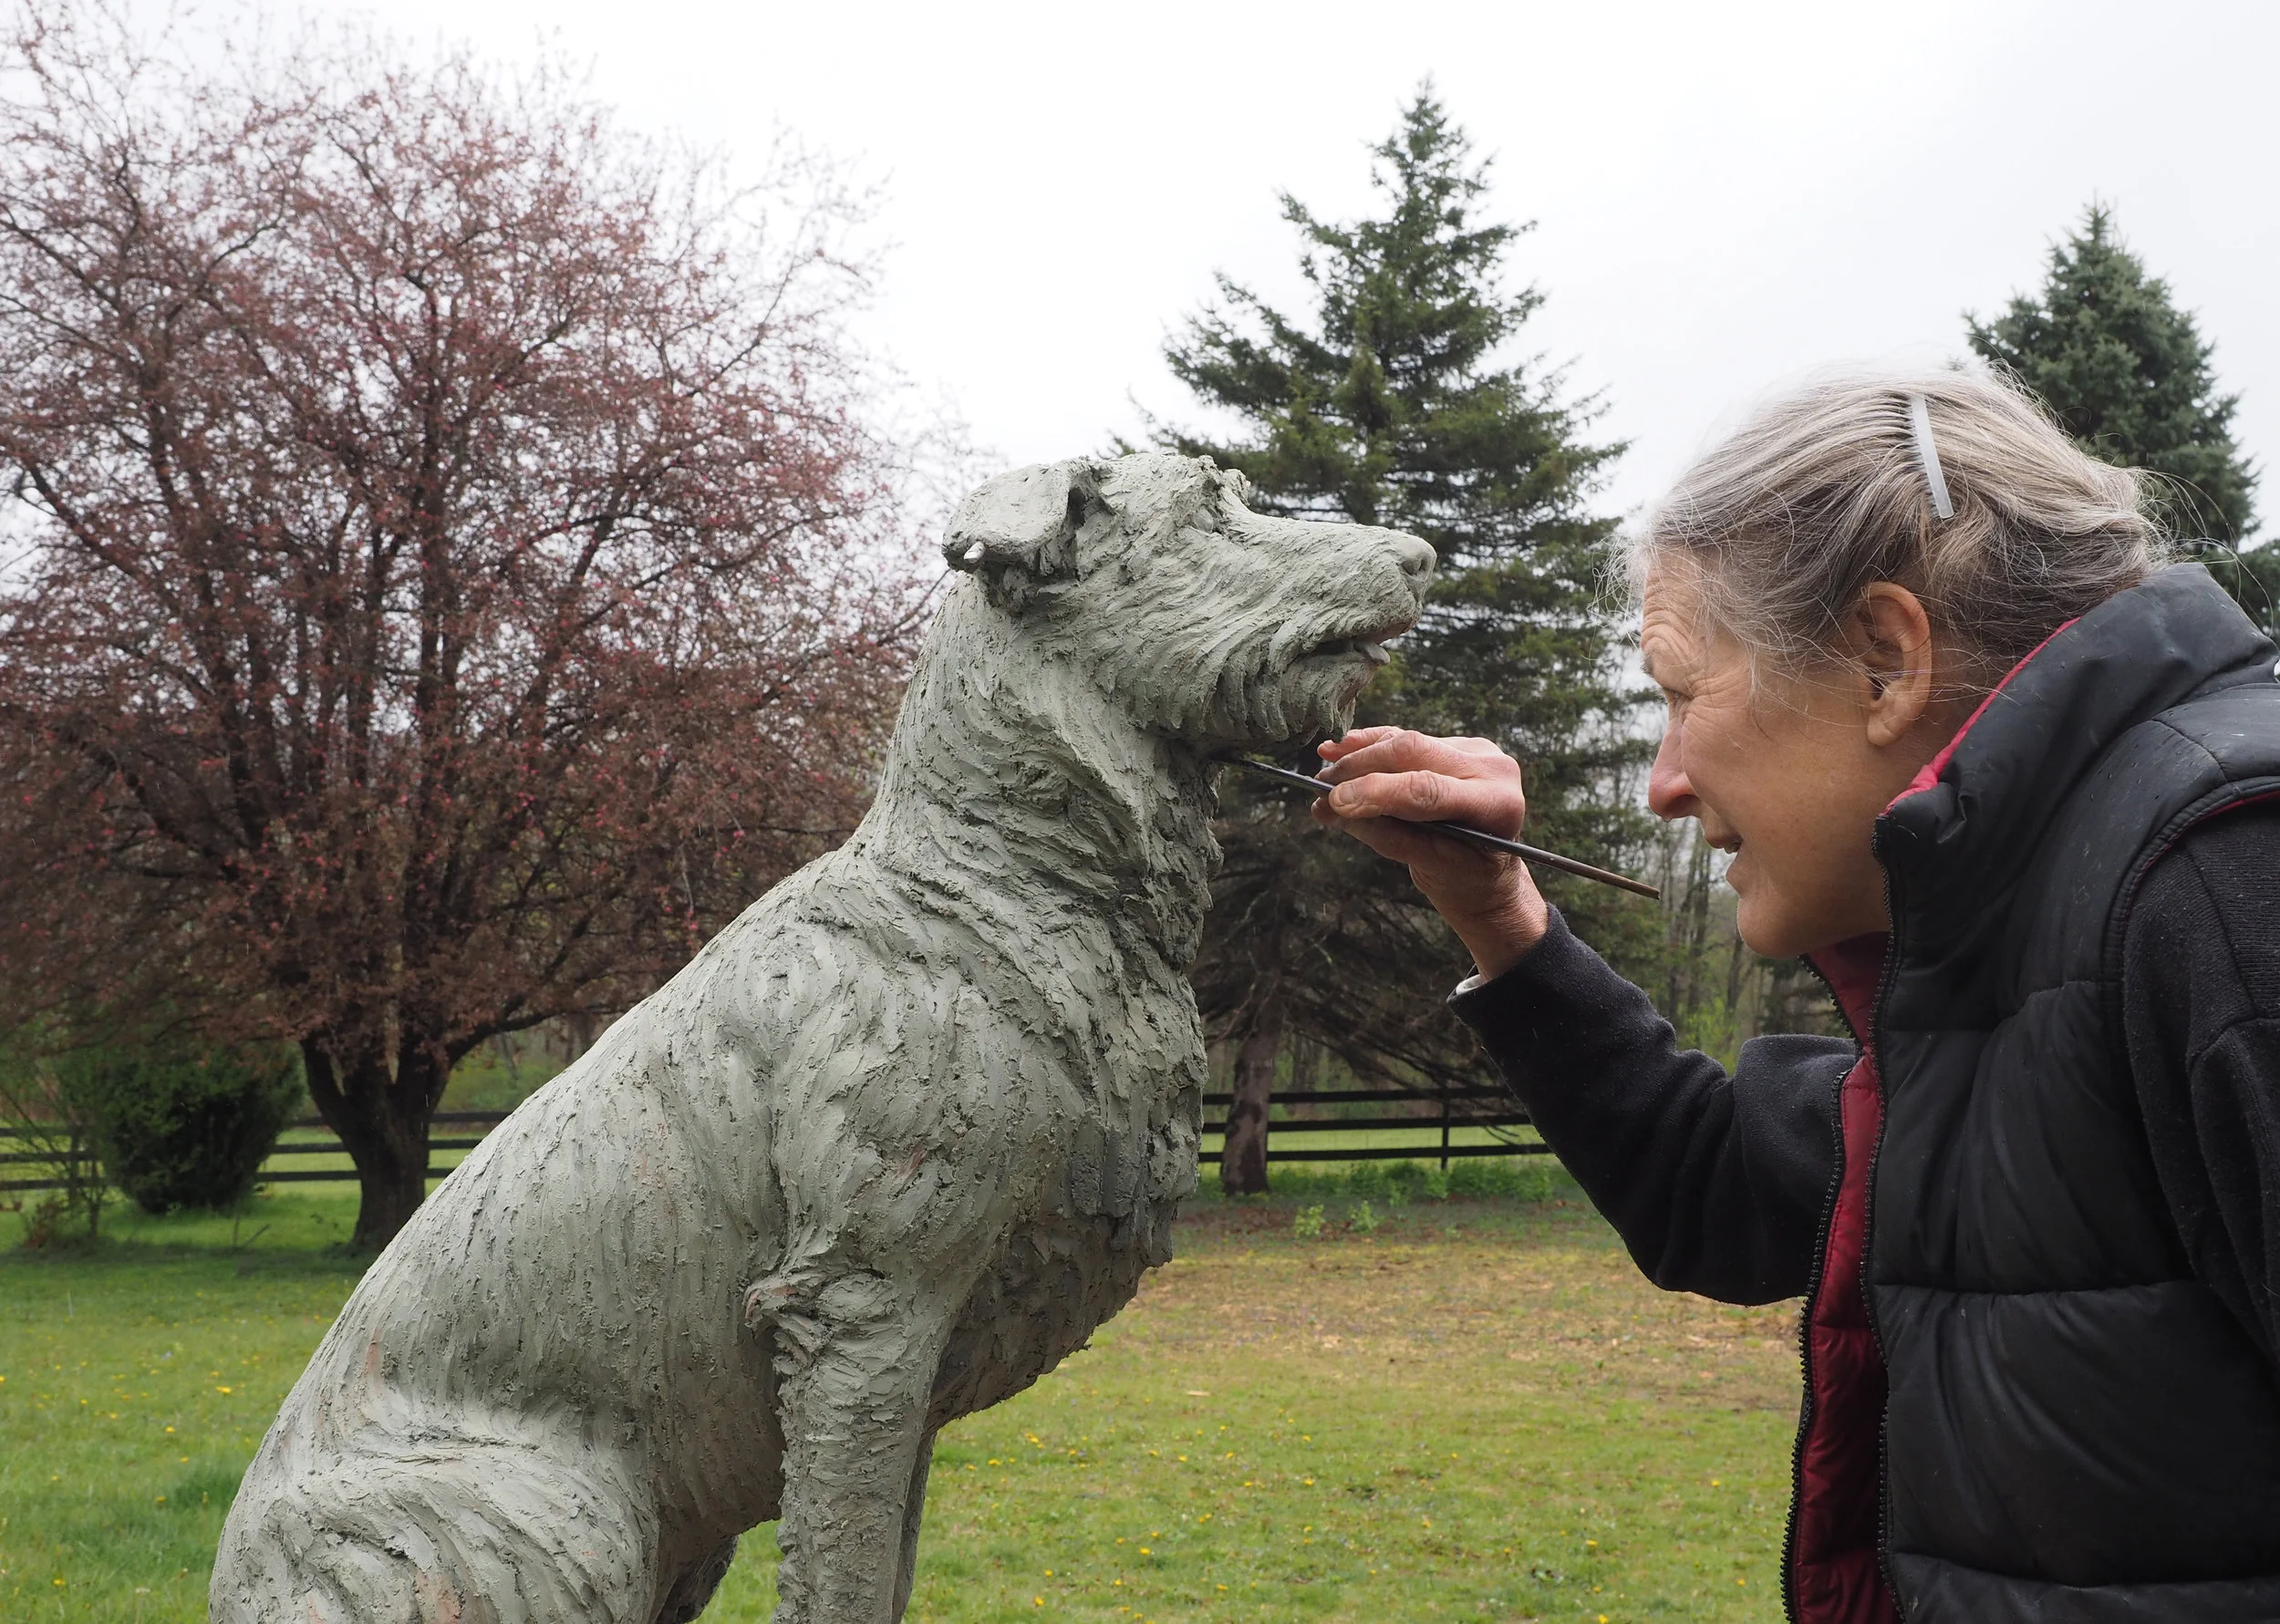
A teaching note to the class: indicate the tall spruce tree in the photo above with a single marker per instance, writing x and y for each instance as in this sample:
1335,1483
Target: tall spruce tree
1398,400
2130,379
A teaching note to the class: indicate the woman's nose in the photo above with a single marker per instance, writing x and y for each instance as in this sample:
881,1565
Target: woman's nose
1669,792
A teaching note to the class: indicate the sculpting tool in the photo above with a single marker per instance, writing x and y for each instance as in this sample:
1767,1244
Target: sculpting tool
1479,837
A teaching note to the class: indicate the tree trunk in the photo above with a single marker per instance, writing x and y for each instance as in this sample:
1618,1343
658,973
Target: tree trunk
1243,1160
391,1183
384,1129
1743,1029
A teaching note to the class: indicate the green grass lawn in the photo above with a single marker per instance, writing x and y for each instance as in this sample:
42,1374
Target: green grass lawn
1476,1409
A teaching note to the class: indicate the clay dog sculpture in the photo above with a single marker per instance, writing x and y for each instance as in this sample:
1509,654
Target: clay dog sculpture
887,1150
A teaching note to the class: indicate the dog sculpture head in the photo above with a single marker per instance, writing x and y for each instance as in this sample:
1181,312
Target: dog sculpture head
1207,622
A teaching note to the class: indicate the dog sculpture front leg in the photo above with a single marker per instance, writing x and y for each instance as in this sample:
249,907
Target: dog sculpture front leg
914,1510
856,1362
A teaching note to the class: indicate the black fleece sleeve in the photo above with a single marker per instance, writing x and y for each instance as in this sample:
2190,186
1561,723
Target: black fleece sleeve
2201,1013
1716,1183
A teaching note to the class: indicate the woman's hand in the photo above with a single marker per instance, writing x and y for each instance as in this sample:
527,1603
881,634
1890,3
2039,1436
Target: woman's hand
1390,776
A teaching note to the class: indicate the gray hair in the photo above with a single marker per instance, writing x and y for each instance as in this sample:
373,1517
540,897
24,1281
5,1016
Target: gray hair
1823,491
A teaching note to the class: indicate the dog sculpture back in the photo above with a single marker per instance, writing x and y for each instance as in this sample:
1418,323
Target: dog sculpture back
887,1150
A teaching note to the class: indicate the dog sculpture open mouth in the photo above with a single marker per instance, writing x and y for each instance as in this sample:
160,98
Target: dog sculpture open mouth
1368,645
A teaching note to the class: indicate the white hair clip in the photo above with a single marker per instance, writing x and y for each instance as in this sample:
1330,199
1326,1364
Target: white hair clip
1920,419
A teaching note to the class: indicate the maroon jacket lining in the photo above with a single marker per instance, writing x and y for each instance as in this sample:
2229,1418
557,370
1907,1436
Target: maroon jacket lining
1836,1576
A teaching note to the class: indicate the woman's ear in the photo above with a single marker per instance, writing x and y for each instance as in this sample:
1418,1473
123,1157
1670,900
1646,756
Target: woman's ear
1890,639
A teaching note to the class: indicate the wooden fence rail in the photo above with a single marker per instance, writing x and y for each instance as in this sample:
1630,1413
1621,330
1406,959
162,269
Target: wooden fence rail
1489,1108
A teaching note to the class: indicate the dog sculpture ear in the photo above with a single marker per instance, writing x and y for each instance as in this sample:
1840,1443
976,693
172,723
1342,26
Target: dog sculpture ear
1023,522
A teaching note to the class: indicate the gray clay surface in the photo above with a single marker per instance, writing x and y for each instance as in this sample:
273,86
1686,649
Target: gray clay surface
887,1150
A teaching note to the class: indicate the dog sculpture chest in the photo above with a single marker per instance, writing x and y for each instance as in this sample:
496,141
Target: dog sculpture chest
887,1150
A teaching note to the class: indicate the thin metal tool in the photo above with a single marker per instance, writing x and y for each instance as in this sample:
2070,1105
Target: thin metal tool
1479,837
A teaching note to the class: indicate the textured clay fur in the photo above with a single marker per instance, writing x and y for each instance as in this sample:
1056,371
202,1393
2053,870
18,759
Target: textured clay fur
886,1151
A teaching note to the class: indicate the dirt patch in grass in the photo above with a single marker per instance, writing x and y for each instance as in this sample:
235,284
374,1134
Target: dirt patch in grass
1548,1292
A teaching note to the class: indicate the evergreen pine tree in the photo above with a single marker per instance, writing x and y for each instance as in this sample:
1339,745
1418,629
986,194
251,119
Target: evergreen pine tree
2130,378
1396,401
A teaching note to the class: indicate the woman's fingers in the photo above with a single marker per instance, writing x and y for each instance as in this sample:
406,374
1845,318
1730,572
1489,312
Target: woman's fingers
1390,780
1391,772
1449,860
1495,808
1400,750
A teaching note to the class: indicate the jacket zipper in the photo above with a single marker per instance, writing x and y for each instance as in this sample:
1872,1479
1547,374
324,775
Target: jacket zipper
1884,980
1804,1324
1869,1050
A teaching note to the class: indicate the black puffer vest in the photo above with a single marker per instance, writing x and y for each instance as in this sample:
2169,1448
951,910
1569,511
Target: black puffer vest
2074,1427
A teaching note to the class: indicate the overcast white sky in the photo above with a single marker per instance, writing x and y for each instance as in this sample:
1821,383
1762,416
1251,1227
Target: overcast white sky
1725,194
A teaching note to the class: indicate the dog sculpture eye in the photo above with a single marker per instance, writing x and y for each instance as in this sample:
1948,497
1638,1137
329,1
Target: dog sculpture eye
1211,517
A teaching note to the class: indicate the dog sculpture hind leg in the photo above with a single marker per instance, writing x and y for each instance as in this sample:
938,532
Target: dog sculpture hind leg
889,1148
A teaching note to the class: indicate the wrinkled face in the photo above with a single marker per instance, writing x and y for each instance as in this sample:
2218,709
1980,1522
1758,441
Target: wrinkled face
1207,622
1777,770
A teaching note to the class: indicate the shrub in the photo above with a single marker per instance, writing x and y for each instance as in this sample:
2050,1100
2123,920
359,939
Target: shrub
185,1127
1395,1182
1516,1178
52,1135
1364,1180
1398,1183
1308,1224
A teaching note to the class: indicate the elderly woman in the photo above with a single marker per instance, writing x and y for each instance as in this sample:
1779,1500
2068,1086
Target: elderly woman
2013,787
